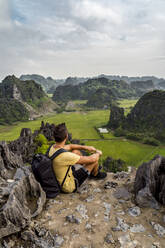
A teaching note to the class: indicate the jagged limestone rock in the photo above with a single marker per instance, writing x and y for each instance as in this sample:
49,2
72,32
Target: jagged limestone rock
150,183
21,196
24,146
25,200
8,161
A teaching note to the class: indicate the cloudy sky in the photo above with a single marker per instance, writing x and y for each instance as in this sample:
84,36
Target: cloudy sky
62,38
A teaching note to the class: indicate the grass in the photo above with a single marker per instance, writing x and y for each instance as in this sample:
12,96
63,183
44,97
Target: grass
132,153
127,104
80,124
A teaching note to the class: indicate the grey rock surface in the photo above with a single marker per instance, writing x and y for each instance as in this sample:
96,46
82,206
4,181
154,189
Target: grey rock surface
122,193
134,211
25,201
150,183
126,242
110,185
121,225
73,219
160,230
109,239
82,210
137,228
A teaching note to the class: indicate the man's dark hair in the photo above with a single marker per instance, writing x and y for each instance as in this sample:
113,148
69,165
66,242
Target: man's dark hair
60,132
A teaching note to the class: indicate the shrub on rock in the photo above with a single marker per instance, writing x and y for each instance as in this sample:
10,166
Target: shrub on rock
114,165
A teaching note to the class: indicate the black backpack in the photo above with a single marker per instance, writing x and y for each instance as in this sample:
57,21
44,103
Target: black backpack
42,167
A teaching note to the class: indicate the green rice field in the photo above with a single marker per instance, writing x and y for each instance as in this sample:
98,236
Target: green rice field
82,126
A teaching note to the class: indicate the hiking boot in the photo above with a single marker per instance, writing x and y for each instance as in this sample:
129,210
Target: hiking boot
100,175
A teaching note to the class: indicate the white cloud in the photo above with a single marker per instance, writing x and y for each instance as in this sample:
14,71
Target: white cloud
82,37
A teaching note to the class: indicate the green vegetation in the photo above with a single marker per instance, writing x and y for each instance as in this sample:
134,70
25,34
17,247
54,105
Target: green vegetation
42,144
87,90
131,152
80,124
11,111
114,165
127,104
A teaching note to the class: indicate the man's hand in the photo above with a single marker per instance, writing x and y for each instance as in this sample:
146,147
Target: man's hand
99,152
91,149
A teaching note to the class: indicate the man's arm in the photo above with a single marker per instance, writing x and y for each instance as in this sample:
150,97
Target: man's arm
89,159
71,147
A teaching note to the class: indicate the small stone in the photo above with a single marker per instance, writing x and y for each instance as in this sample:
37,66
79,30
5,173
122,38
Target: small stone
121,225
75,234
10,180
88,227
56,202
82,211
121,201
107,211
90,198
97,214
121,175
126,242
110,185
158,228
155,245
97,190
122,193
83,189
40,231
58,241
121,213
109,239
137,228
134,211
73,219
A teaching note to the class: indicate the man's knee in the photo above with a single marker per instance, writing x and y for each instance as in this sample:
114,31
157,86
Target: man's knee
78,152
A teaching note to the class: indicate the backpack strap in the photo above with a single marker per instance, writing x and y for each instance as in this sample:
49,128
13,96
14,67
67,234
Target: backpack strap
65,176
58,152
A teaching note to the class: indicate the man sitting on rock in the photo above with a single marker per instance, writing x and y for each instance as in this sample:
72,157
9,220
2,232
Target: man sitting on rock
74,156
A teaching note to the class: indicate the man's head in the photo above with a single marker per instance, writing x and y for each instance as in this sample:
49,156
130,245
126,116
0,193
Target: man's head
60,133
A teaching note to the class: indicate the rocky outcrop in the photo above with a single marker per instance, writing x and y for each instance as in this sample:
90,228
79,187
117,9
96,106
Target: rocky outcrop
9,161
21,196
21,199
150,183
116,117
24,146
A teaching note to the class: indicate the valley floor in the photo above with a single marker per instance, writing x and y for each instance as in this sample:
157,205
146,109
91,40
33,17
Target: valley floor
82,125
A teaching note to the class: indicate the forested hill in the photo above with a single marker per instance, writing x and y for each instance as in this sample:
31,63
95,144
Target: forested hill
21,100
47,83
145,121
119,89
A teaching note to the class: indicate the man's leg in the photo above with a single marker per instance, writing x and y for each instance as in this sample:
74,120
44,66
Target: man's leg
91,167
